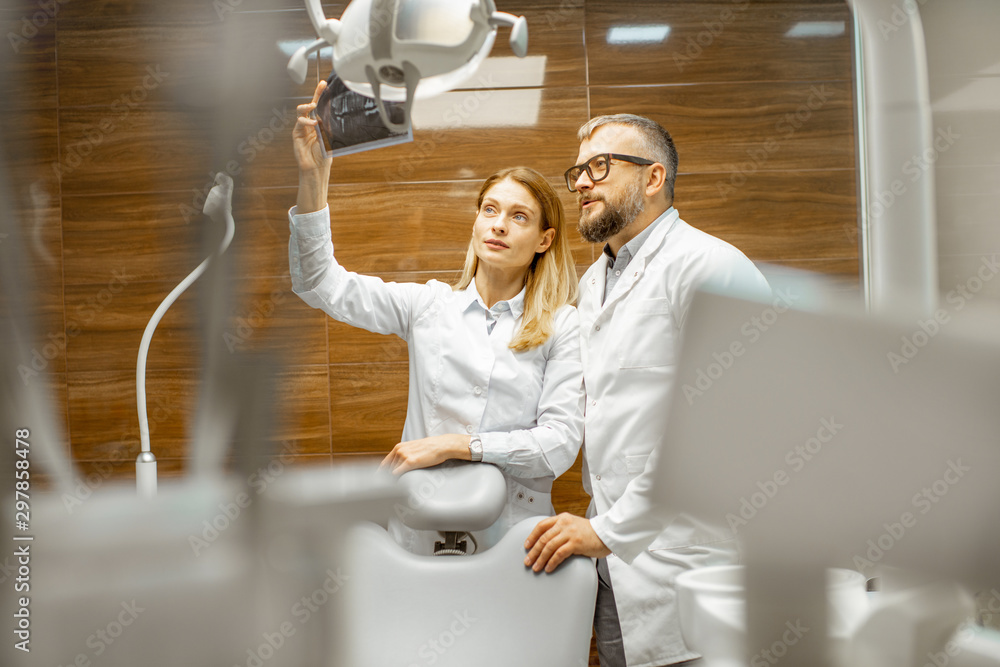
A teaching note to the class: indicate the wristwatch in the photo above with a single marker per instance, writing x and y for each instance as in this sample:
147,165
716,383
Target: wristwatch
475,448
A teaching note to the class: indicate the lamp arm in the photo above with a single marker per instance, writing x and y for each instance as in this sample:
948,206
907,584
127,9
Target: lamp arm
327,29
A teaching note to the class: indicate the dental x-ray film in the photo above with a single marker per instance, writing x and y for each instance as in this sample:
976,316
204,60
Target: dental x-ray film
349,122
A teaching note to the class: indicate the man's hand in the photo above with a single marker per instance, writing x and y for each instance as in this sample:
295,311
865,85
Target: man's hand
426,452
557,538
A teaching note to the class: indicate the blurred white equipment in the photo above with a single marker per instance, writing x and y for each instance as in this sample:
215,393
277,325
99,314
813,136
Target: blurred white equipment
898,235
840,446
485,609
209,572
401,50
712,604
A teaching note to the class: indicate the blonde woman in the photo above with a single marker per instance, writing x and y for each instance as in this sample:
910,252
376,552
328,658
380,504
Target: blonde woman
495,371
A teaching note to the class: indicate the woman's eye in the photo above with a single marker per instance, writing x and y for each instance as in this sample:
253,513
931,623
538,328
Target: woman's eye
489,209
521,217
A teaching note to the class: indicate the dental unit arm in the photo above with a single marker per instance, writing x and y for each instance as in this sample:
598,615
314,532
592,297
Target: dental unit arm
218,206
418,48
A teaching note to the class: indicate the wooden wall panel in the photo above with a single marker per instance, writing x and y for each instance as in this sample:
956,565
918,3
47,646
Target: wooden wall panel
566,495
747,40
260,244
367,406
103,418
105,150
103,61
29,144
102,407
111,317
266,317
347,344
143,236
106,323
746,126
555,31
775,215
302,412
30,64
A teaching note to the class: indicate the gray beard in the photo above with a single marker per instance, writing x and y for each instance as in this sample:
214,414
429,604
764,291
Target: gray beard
614,218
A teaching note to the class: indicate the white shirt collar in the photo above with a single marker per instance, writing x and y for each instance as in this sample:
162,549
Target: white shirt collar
516,304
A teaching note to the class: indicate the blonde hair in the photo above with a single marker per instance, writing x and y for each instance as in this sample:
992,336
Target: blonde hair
551,281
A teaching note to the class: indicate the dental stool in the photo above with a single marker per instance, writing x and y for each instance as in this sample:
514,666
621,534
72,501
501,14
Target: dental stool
480,610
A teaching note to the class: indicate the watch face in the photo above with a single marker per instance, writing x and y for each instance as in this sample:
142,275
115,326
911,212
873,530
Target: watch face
476,448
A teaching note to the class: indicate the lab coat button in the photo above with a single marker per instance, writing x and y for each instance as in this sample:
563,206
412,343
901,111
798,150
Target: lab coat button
520,495
593,404
477,391
597,328
618,273
598,478
531,499
468,429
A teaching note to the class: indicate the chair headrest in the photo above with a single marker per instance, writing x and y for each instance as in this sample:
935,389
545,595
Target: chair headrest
453,496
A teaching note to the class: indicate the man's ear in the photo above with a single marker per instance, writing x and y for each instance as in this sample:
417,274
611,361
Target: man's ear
657,179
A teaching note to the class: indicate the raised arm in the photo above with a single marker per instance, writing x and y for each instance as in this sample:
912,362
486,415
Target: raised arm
317,278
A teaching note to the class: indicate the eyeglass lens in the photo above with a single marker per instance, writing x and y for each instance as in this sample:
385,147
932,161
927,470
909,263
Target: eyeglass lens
596,167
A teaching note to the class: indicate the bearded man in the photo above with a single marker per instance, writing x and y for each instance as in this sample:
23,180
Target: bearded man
633,303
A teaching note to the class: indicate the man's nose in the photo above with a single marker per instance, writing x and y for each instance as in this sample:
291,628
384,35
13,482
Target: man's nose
583,181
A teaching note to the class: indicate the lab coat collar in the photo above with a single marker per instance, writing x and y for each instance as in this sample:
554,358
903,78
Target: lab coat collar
471,296
664,224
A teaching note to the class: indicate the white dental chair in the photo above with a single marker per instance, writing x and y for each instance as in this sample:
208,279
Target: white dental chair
485,609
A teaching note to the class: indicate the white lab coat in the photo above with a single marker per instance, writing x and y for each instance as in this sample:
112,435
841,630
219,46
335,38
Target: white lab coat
630,348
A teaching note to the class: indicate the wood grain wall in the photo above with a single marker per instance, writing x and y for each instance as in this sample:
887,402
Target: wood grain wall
118,111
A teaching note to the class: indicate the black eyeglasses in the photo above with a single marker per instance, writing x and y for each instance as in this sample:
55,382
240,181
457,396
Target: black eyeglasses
599,166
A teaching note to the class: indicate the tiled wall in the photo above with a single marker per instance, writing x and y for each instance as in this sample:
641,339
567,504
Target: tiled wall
121,109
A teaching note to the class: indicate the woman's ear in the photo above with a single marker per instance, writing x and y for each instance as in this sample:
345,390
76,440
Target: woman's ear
548,236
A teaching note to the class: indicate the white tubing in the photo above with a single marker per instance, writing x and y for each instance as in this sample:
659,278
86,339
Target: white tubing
145,464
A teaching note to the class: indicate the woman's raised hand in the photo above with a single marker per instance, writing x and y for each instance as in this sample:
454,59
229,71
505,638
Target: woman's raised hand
314,169
307,150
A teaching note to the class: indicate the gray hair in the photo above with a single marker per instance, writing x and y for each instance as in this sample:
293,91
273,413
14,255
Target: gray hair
654,140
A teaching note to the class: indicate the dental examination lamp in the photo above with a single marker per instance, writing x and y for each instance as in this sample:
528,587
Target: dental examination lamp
385,48
218,204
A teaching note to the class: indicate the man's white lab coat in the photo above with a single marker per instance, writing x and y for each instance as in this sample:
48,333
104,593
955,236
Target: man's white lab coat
630,348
